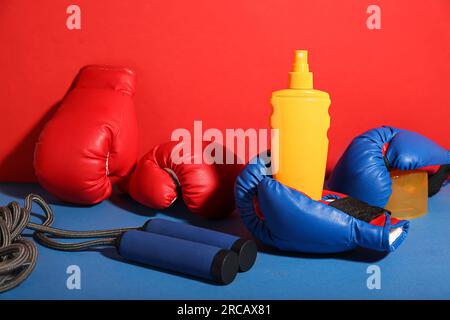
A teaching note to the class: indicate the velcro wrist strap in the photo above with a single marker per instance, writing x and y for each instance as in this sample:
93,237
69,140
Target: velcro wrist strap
357,208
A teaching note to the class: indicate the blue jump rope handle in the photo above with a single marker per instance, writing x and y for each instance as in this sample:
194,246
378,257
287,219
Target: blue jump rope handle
192,258
245,249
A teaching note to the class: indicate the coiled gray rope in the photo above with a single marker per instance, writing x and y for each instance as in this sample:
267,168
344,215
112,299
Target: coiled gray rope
18,255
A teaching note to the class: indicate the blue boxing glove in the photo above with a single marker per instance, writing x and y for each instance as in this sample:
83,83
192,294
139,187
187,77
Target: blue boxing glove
363,170
289,220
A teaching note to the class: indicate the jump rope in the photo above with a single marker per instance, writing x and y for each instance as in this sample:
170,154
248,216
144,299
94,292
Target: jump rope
178,247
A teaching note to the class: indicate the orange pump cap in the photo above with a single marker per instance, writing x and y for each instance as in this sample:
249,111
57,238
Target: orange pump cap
300,77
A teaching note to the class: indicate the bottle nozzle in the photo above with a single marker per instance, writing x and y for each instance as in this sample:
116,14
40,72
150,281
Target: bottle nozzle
300,77
301,61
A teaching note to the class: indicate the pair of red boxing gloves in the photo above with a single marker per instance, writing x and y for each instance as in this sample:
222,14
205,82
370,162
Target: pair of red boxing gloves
91,142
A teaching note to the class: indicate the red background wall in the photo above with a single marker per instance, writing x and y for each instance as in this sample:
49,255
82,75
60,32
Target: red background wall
219,60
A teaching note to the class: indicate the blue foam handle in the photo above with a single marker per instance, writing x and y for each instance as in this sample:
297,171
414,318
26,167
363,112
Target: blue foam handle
191,233
245,249
192,258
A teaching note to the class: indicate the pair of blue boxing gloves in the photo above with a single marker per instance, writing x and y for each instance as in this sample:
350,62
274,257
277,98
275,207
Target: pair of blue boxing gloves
351,213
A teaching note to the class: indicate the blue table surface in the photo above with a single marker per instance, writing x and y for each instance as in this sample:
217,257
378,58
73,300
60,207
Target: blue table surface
420,268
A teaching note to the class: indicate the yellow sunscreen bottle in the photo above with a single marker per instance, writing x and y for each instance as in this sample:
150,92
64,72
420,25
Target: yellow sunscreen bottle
300,145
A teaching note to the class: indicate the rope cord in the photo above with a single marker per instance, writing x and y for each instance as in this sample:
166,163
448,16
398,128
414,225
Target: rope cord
18,255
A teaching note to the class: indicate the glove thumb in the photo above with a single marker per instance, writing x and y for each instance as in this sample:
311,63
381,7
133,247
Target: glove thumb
409,150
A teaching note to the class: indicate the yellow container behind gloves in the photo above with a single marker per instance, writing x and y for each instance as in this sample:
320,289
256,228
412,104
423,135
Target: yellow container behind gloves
300,115
409,198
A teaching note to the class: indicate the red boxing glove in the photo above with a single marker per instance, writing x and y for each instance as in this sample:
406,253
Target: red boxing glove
206,188
91,141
